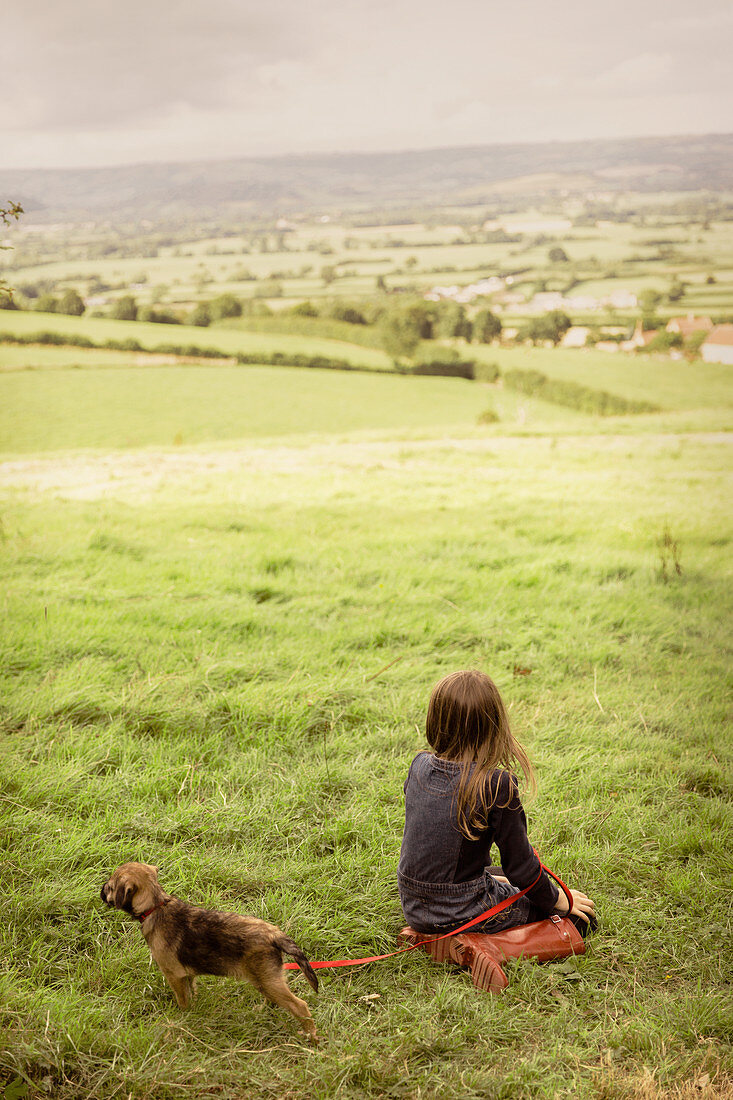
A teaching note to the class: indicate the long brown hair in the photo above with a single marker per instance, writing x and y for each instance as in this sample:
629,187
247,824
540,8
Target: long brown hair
467,722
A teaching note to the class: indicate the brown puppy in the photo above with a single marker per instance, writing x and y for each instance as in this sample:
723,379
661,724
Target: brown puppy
185,941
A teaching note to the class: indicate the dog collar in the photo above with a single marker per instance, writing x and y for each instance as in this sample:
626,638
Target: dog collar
147,912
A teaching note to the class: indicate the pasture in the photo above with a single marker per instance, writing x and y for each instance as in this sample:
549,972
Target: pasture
217,658
172,405
649,244
228,341
668,383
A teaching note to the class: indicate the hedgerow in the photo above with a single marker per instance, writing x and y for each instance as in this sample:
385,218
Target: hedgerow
574,395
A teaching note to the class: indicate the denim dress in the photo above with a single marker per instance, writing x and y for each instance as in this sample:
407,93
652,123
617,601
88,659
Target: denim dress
444,879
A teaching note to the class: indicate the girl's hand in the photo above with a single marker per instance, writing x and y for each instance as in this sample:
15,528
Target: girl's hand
583,907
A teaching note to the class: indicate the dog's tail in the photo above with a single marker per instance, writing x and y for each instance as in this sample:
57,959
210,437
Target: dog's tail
291,948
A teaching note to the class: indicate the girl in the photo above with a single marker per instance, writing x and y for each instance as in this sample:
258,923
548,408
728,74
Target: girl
459,800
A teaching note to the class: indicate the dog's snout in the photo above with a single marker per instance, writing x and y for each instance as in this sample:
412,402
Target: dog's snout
104,892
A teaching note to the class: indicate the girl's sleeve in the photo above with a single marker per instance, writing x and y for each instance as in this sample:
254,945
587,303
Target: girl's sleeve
518,859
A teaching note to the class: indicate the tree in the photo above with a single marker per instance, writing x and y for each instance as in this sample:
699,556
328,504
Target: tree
47,303
550,327
71,303
676,289
451,321
486,326
200,315
328,274
400,333
125,308
304,309
9,210
342,311
557,255
559,323
422,316
649,300
226,305
695,341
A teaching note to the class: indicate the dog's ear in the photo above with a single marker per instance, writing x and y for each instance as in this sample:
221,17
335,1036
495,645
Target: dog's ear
123,897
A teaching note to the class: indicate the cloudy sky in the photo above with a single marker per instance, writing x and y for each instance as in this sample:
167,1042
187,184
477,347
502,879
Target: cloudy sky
88,82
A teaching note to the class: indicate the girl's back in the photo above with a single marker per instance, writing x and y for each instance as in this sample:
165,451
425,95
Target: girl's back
442,875
462,798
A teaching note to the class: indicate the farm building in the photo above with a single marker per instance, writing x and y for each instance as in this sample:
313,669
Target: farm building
685,326
718,345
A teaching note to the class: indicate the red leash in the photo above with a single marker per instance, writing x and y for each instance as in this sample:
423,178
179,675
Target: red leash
454,932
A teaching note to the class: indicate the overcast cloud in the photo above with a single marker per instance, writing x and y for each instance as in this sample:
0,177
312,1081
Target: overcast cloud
83,82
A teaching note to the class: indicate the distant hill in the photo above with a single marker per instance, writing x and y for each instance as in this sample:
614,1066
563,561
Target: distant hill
258,186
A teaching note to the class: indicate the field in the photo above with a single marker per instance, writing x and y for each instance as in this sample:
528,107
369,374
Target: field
228,341
59,398
671,384
644,242
216,656
133,406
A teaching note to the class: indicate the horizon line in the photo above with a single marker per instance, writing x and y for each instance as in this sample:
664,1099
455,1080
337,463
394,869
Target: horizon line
336,154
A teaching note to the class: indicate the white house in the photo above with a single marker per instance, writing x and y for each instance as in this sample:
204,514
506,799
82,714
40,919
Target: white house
718,345
575,337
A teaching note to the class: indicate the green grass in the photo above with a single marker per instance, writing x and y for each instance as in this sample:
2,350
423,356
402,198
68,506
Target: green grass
219,661
135,407
325,327
227,592
66,398
33,357
227,340
605,257
671,384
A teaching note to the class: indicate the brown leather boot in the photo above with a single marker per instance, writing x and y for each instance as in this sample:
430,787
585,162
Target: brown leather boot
437,947
553,938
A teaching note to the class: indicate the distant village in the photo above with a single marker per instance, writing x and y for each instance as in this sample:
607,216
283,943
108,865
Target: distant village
501,290
715,342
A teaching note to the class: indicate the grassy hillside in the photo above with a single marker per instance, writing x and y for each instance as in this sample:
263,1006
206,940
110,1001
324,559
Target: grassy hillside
372,180
219,661
65,398
136,407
